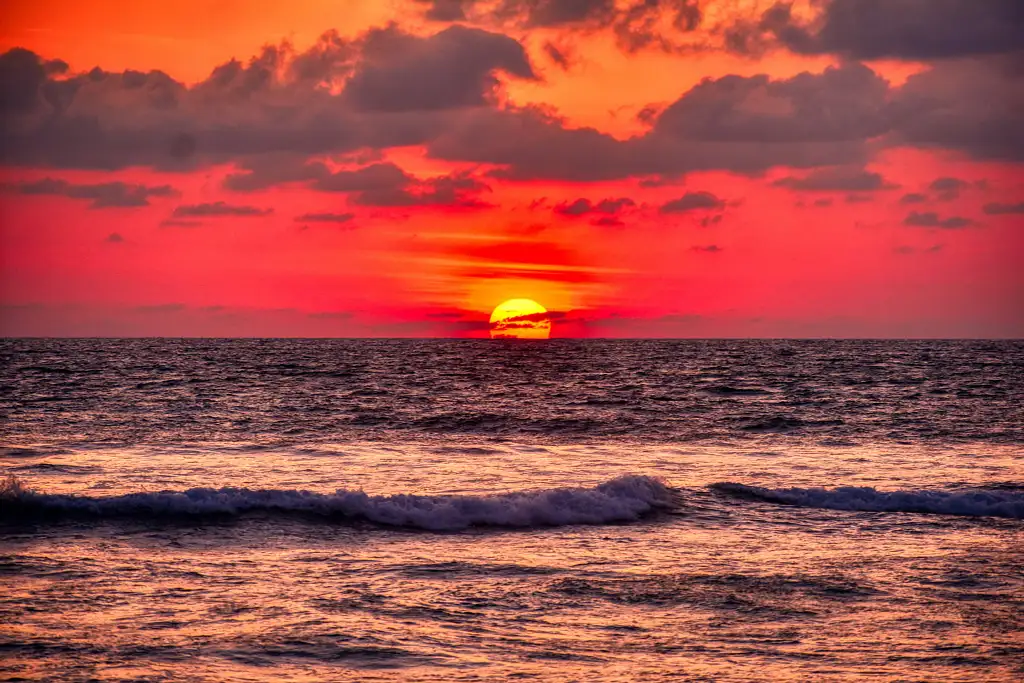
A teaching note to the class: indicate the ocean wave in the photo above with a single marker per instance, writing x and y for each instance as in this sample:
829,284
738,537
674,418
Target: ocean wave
971,503
624,499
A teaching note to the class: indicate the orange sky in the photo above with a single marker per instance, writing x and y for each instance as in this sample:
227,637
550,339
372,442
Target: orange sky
726,214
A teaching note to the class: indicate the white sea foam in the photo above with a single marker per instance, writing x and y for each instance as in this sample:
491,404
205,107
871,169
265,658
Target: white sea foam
623,499
974,503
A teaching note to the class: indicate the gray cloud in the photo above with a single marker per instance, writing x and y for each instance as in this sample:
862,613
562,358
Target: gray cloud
635,24
930,219
709,249
692,201
102,195
582,206
217,209
114,238
386,185
948,188
325,218
905,250
839,179
997,209
915,30
273,117
454,68
267,170
913,198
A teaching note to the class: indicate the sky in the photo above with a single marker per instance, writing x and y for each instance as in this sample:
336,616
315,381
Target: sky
398,168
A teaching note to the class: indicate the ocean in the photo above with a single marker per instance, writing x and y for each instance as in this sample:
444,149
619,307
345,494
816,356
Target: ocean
567,510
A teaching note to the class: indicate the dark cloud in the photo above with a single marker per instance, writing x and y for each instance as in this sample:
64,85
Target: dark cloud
102,195
446,10
948,188
268,170
822,202
557,55
708,221
839,179
997,209
400,90
114,238
459,190
916,30
178,223
971,106
581,207
709,249
276,115
905,250
455,68
913,198
692,201
930,219
216,209
325,218
859,198
635,24
372,178
608,222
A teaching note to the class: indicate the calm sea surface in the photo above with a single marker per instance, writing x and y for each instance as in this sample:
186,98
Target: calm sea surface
458,510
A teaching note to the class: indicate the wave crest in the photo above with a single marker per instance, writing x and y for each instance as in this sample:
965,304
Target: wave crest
624,499
977,503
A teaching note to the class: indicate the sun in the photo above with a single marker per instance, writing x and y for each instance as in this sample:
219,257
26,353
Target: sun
520,319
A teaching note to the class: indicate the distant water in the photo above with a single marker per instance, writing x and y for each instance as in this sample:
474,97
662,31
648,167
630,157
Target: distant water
462,510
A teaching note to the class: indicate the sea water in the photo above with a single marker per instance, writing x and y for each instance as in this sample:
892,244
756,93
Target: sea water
476,510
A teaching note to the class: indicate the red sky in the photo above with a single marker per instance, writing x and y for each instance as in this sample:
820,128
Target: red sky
679,168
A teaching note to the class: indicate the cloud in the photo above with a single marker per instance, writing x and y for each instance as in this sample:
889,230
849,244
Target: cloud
272,169
114,238
997,209
581,207
821,203
840,179
277,115
931,219
948,188
915,30
387,185
177,223
446,10
400,72
709,249
692,201
905,250
971,106
218,209
102,195
399,90
635,24
557,55
325,218
913,198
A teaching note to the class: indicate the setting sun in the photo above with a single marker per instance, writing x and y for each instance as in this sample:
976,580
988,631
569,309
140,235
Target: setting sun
520,319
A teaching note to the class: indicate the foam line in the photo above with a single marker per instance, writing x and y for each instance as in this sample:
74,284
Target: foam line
972,503
623,499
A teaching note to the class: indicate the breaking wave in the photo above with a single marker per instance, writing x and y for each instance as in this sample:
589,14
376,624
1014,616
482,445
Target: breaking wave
624,499
976,503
